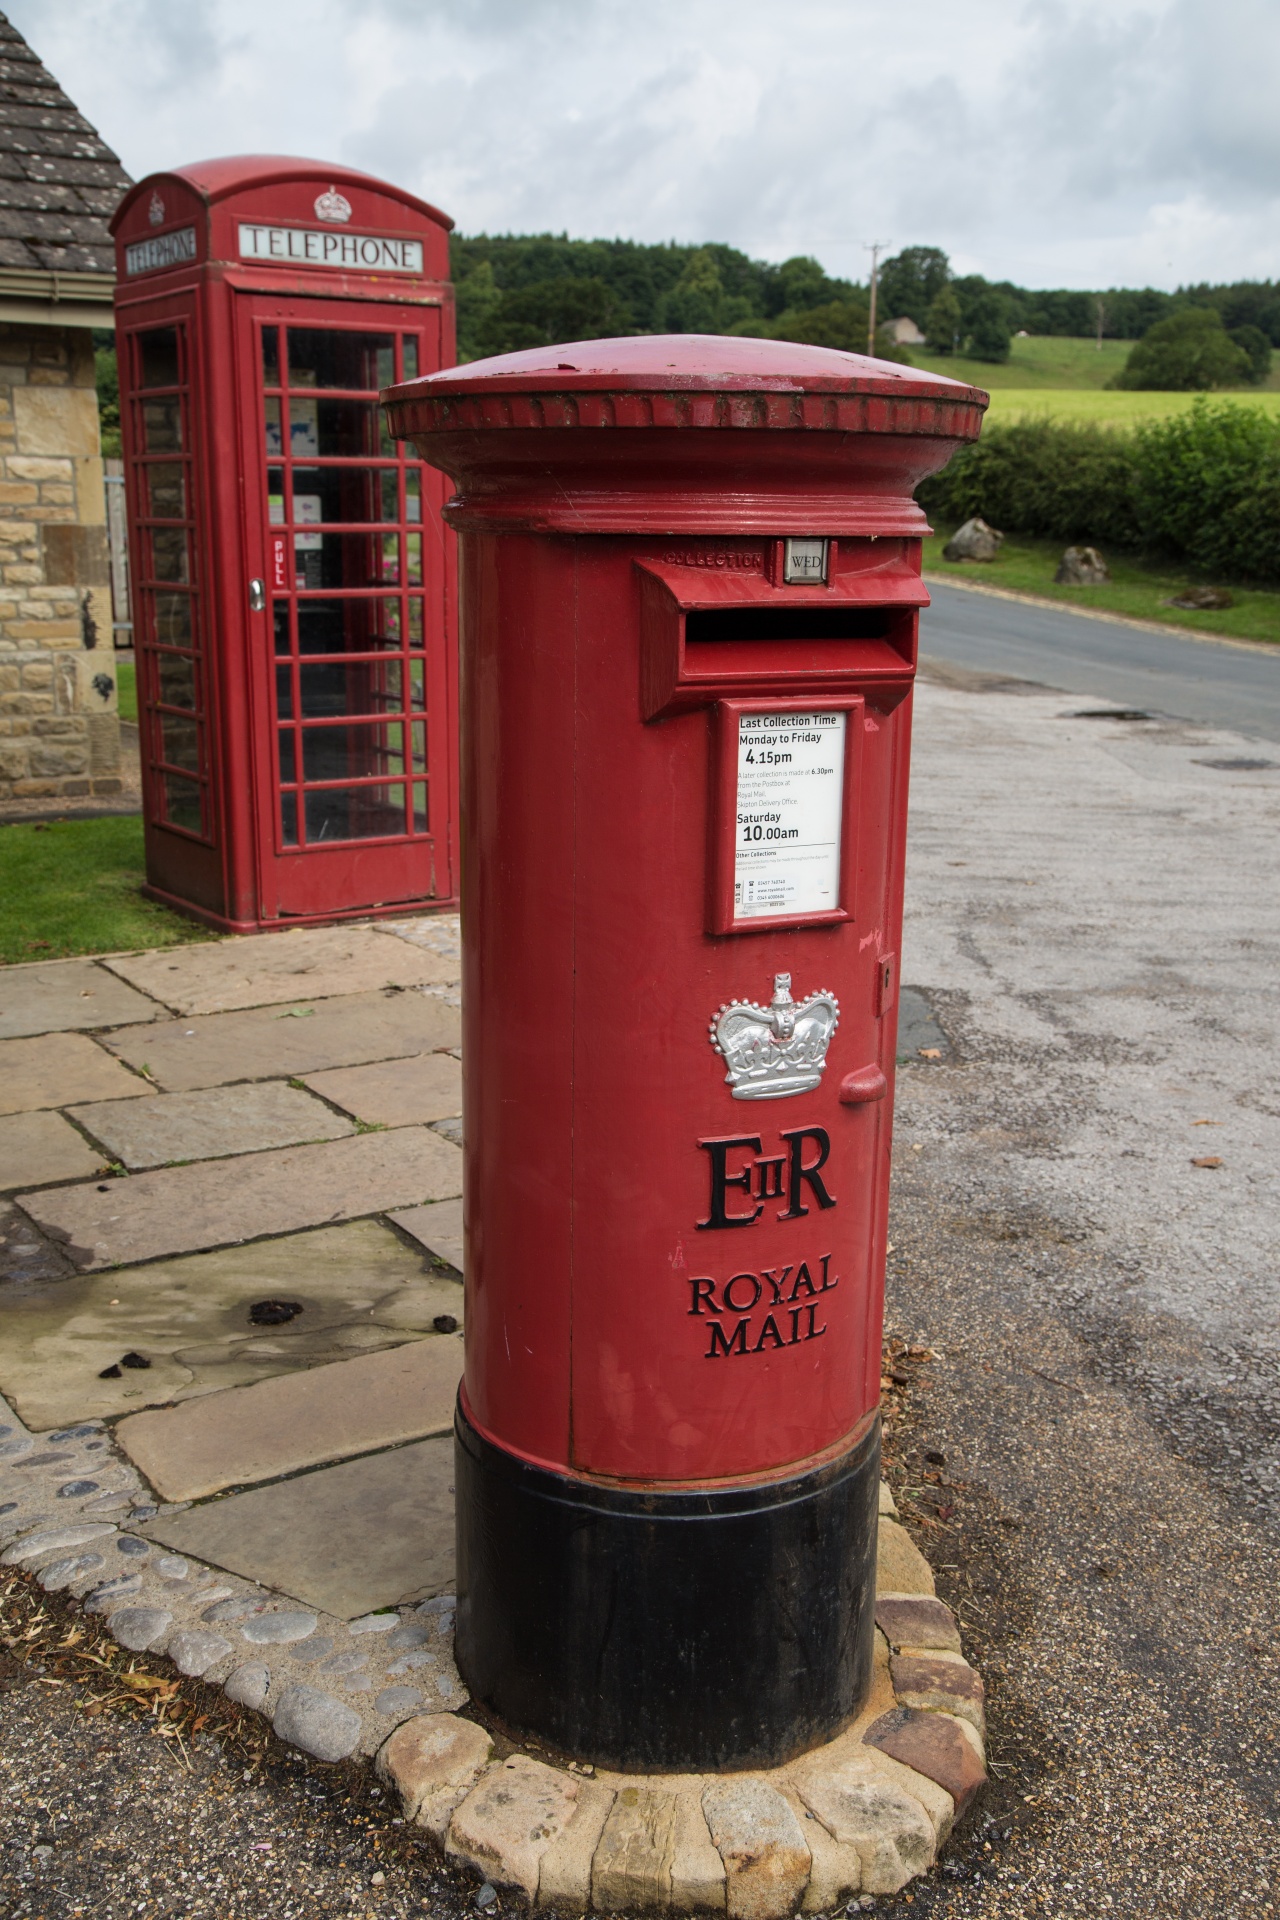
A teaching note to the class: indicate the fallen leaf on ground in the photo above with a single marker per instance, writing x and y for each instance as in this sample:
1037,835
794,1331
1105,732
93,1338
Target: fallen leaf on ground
1207,1160
929,1053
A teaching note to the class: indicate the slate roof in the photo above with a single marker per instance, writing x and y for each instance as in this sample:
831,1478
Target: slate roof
59,181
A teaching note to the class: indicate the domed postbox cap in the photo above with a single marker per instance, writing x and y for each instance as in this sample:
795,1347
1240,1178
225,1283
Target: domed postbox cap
687,433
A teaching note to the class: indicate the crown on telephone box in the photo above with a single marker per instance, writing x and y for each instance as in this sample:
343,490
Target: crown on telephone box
779,1049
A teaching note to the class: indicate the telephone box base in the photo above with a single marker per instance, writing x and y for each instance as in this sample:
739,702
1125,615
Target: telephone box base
223,923
649,1629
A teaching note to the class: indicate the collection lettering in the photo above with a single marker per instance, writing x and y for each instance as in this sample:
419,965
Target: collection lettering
791,1308
696,557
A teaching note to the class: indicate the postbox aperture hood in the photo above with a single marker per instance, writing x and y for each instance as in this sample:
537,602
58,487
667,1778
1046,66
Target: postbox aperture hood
529,437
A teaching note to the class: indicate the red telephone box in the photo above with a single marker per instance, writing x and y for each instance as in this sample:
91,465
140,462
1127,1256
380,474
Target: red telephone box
691,576
293,582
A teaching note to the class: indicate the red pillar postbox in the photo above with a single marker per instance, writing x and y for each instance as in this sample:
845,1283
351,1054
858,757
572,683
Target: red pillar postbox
690,583
293,583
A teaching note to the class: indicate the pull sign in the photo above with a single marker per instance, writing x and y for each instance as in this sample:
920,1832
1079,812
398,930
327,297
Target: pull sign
805,563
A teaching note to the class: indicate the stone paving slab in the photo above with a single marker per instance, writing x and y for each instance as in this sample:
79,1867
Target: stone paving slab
396,1093
40,1147
264,969
57,996
211,1050
358,1286
212,1122
438,1228
55,1069
373,1532
280,1426
222,1202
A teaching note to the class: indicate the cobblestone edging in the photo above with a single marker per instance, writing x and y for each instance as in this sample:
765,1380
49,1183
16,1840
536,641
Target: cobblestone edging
862,1815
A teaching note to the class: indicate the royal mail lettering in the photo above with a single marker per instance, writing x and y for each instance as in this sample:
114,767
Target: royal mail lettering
788,1295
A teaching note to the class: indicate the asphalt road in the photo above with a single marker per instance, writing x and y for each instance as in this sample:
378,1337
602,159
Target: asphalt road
1167,673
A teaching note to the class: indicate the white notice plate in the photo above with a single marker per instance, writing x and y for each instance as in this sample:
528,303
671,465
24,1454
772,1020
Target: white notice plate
788,820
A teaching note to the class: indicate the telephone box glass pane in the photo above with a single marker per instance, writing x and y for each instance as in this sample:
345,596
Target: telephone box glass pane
412,495
284,692
320,357
345,753
173,619
417,685
182,802
339,687
167,491
271,356
176,680
355,813
162,426
275,438
287,774
415,622
420,820
289,819
280,621
366,625
335,429
357,495
169,553
179,742
345,559
158,357
410,348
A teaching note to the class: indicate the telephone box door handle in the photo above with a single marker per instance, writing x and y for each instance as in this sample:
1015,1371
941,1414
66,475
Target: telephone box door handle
868,1083
257,596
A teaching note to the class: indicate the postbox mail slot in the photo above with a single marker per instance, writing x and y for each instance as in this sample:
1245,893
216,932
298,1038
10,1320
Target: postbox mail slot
705,638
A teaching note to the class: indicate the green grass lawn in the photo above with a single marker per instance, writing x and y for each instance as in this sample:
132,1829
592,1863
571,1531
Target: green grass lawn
1115,409
72,886
1028,566
1066,380
127,690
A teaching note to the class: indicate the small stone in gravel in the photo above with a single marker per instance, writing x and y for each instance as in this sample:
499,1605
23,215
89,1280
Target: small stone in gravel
171,1566
487,1896
75,1433
247,1685
50,1539
316,1648
278,1629
47,1460
60,1573
444,1684
398,1700
443,1603
374,1623
74,1489
321,1725
238,1608
409,1663
346,1660
410,1634
14,1449
195,1651
110,1591
357,1683
127,1544
139,1627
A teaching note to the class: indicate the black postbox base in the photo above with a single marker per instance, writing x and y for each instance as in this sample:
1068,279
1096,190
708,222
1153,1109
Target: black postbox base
720,1628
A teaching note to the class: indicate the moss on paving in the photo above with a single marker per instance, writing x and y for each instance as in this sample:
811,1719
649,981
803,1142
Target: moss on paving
73,886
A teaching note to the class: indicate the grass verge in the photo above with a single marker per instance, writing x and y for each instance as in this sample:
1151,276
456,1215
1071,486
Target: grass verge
1115,409
127,690
72,886
1137,590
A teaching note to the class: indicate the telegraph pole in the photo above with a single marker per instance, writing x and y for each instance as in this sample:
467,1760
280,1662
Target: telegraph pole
875,248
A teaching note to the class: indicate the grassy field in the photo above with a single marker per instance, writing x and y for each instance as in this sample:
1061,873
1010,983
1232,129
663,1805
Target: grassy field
72,886
1028,566
1066,380
127,690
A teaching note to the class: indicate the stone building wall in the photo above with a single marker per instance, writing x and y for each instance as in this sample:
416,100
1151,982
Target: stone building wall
59,726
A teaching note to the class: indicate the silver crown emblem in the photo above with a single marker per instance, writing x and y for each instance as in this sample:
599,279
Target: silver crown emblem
333,206
155,211
779,1049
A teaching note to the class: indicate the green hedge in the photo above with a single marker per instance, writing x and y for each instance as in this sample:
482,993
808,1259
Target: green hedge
1202,488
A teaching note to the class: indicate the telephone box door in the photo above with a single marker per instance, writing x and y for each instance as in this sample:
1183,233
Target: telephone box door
347,568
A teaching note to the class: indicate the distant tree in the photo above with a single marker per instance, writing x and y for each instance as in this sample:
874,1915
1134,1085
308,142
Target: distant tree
911,281
1188,352
107,380
943,321
546,311
804,283
1258,347
987,330
698,302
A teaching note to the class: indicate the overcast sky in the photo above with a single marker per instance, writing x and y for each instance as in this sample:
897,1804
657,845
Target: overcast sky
1053,142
